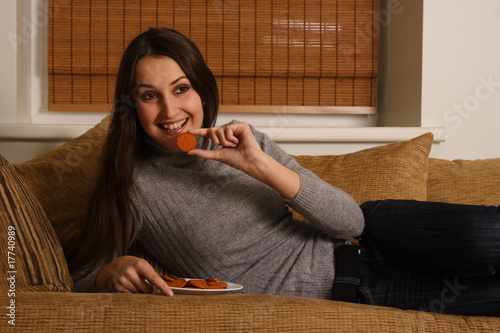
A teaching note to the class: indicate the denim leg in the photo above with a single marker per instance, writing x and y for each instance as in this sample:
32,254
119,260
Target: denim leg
413,251
437,238
474,296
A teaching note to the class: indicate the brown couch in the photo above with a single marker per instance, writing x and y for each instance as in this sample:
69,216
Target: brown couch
43,202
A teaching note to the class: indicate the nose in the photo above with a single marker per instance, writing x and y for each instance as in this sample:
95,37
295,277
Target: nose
169,107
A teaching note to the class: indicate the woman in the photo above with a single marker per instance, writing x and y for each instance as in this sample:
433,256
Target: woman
220,210
213,212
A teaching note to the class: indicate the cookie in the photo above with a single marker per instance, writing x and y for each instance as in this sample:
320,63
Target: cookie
217,285
186,142
179,283
202,284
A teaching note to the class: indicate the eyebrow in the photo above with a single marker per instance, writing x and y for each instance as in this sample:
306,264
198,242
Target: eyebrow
144,85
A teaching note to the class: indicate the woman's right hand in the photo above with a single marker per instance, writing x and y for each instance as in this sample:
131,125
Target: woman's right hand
129,274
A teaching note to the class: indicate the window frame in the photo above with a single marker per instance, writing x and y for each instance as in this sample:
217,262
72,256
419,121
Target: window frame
34,122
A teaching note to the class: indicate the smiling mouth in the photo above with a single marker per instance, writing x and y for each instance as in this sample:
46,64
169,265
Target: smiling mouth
173,126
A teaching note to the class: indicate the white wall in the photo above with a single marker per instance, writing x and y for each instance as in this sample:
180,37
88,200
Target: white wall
461,76
8,80
460,53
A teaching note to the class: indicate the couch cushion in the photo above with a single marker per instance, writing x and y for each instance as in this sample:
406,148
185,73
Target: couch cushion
394,171
104,312
475,182
63,179
30,248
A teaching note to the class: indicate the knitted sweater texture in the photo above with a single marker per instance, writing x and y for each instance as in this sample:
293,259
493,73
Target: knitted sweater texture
201,218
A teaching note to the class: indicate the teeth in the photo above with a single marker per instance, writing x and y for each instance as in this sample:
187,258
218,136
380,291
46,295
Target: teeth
173,126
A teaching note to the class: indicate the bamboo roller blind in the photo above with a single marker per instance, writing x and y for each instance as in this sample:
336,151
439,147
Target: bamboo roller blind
308,53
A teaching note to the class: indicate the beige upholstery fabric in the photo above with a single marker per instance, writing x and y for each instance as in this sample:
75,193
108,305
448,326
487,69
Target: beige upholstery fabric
72,312
32,255
63,179
475,182
394,171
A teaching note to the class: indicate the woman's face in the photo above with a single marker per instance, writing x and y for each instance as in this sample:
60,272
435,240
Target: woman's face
167,104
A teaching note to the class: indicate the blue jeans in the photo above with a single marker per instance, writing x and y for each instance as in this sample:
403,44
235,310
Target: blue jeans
430,256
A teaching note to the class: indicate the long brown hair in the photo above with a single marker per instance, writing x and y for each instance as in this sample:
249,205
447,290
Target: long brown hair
109,227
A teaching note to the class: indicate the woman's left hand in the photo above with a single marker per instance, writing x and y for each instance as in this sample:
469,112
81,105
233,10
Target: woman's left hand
239,147
241,150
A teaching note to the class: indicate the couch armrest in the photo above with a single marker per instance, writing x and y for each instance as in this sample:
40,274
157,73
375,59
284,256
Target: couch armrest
105,312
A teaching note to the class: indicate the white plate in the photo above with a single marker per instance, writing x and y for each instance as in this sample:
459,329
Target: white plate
199,291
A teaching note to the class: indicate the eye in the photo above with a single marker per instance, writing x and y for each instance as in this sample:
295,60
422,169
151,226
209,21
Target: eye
182,89
147,96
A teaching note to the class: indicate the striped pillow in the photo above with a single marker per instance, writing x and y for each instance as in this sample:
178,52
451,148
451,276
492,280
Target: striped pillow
32,255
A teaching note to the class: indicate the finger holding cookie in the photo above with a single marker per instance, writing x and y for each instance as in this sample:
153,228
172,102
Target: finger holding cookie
241,150
239,146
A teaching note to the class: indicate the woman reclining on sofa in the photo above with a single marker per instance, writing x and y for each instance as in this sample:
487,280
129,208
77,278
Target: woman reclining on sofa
219,210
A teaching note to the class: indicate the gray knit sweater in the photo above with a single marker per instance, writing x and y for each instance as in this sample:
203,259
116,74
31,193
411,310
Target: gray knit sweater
201,218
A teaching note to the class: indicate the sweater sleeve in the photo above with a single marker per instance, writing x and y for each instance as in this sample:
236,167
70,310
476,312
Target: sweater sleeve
85,283
326,207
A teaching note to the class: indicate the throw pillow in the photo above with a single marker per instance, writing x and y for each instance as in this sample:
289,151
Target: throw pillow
475,182
394,171
63,179
32,257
